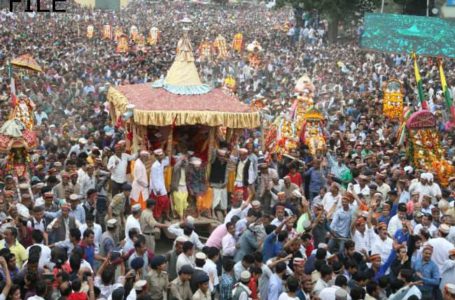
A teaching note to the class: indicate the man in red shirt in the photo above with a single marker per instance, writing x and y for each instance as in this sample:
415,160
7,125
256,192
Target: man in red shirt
295,176
253,284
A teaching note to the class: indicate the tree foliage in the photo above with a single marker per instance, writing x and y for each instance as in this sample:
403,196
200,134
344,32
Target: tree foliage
333,10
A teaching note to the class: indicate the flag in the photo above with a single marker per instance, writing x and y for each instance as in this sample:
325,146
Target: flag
12,87
419,83
445,90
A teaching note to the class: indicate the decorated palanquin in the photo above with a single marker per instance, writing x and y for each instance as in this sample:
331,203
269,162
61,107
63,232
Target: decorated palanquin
425,149
140,43
304,89
134,32
237,43
22,110
16,140
153,36
393,100
90,31
282,136
118,32
107,32
311,133
206,50
254,55
220,47
122,44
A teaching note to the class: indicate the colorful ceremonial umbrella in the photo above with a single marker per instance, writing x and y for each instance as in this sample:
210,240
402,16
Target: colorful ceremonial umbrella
26,61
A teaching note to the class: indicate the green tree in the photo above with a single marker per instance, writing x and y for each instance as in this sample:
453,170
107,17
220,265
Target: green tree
334,10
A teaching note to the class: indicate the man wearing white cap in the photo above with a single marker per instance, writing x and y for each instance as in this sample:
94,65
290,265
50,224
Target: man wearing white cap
78,148
441,246
140,187
218,179
157,186
245,175
133,220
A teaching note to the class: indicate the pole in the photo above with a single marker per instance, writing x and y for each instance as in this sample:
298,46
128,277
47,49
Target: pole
428,8
382,6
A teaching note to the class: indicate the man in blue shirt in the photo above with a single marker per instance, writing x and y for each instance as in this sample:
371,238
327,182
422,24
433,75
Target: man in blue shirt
340,226
271,247
427,271
276,281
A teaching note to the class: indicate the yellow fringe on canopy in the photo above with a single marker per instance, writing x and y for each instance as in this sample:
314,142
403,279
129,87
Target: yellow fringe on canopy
188,117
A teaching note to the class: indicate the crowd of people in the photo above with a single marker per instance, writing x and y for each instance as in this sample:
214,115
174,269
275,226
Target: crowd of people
290,228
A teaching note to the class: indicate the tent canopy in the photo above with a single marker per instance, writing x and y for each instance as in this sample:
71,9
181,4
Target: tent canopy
158,107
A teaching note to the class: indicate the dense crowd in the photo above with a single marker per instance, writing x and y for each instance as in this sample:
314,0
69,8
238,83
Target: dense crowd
290,229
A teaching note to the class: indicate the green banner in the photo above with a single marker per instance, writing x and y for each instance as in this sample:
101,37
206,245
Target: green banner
426,36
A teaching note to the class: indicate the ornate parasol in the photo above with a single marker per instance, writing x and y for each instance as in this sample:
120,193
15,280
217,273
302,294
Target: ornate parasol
26,61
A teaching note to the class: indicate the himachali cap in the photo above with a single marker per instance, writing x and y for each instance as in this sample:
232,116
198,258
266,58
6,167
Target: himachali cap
195,161
181,239
256,204
111,223
201,255
158,151
245,276
444,228
74,197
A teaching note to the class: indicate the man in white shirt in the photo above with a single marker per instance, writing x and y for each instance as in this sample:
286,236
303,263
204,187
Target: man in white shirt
45,256
80,147
362,186
186,229
441,246
117,165
97,230
186,257
245,175
395,222
210,268
157,185
140,187
427,223
133,220
333,197
382,244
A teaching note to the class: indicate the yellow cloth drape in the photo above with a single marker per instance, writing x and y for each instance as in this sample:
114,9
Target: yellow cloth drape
167,118
204,201
231,181
168,177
